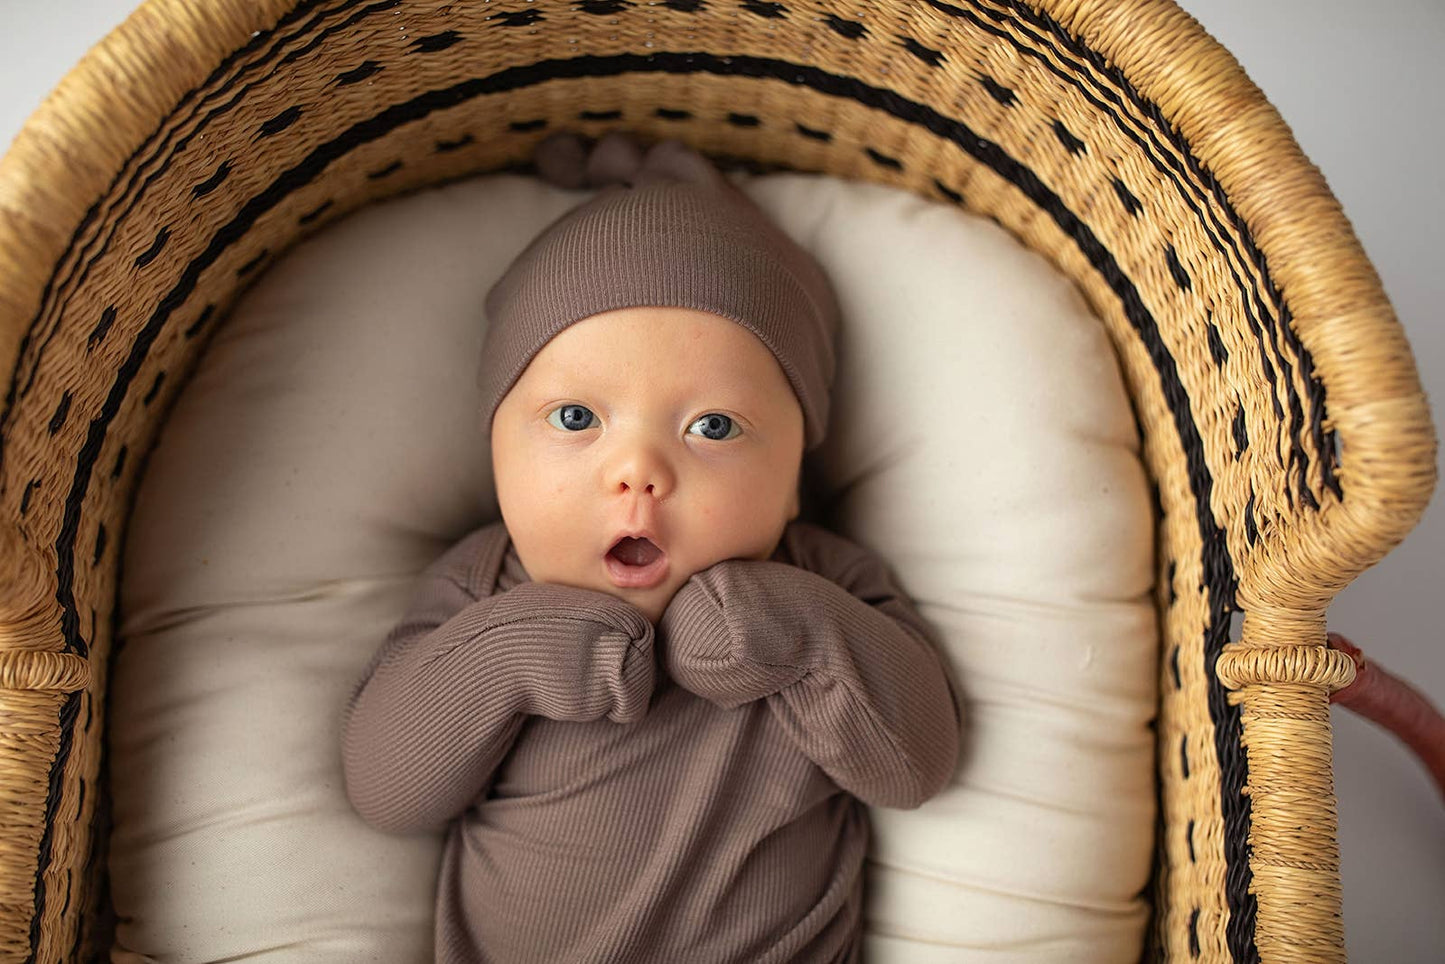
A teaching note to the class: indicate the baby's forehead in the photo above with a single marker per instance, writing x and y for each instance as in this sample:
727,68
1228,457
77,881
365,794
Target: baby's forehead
660,354
662,337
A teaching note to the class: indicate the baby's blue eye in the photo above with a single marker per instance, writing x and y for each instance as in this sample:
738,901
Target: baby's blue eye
713,422
575,418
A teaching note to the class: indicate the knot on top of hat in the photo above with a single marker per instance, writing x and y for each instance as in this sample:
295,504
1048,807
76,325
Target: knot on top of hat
569,160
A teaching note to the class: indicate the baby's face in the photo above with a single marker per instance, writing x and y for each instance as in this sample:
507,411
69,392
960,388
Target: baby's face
671,420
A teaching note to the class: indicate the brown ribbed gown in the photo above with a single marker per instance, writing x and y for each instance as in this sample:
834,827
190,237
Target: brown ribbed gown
619,792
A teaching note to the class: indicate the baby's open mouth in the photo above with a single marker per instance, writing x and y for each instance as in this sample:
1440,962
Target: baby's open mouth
635,552
636,563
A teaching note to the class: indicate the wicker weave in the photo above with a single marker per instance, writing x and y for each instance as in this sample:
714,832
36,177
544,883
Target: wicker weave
1283,421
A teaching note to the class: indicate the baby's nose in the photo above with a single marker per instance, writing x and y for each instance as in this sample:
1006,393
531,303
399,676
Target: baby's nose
644,476
640,487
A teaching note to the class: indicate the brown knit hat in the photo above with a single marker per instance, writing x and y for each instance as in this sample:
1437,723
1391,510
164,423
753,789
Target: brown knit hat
667,229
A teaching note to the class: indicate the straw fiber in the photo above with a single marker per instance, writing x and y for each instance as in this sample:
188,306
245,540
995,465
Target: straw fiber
1283,420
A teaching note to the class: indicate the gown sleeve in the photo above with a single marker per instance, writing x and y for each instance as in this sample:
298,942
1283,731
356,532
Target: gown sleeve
837,649
445,696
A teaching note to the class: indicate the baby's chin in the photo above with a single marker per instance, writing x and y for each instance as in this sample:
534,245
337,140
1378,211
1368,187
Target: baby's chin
652,602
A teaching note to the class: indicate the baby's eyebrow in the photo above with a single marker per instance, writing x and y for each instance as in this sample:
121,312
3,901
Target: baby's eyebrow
737,399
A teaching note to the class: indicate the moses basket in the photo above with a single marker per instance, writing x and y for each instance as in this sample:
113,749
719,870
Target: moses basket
1283,423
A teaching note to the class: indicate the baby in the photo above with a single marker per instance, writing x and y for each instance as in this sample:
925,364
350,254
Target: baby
650,703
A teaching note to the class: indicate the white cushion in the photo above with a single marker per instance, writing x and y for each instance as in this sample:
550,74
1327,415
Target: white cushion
326,451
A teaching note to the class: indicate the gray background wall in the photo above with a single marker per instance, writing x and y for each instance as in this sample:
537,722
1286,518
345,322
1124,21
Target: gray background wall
1362,87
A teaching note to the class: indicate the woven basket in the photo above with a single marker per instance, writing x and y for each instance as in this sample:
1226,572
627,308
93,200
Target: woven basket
1283,421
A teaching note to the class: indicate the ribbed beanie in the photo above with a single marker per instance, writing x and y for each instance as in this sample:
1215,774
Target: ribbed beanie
667,229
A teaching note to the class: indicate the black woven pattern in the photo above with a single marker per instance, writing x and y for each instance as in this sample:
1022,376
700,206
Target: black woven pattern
68,712
1238,243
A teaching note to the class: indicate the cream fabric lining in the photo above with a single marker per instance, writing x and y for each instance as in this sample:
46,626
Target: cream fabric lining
325,451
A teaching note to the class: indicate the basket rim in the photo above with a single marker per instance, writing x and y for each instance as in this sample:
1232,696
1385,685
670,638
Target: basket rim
1339,308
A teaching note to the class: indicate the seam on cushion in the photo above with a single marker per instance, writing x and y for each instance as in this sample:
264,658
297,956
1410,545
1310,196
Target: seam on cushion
165,618
1119,907
988,790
